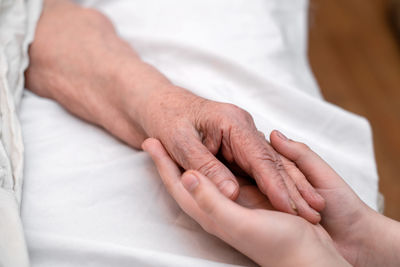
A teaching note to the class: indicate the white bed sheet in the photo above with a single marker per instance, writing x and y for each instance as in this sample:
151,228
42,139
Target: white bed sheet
90,200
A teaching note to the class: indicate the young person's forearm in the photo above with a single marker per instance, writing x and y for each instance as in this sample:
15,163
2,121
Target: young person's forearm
379,245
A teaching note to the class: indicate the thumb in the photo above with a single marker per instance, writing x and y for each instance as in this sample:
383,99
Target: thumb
222,211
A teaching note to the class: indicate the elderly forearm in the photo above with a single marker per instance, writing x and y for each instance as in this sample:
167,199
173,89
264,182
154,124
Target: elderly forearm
78,59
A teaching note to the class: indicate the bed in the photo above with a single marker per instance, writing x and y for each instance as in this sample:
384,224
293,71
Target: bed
90,200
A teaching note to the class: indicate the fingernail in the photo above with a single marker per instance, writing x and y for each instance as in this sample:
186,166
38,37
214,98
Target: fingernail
143,146
190,181
281,135
316,213
228,188
293,206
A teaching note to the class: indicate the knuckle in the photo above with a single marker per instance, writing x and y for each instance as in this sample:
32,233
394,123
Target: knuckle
211,168
304,150
279,166
268,157
289,165
303,147
95,16
271,159
261,134
273,185
279,182
237,113
280,185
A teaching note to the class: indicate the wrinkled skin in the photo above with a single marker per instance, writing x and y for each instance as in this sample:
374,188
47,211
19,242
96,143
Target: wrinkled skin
83,64
194,130
251,225
361,235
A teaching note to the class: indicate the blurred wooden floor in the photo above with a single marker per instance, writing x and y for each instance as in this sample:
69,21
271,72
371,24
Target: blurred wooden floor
355,57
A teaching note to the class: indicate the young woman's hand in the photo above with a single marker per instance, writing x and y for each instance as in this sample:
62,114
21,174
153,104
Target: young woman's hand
363,236
268,237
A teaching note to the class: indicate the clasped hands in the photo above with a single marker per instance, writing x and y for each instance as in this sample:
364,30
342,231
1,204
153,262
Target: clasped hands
252,225
216,143
333,227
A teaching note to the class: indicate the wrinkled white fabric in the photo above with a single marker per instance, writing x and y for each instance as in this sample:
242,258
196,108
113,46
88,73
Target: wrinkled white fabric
17,23
90,200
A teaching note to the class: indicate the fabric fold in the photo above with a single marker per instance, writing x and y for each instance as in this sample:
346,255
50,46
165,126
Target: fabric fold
18,20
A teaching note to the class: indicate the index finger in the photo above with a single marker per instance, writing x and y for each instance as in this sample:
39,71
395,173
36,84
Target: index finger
206,204
190,153
254,155
319,173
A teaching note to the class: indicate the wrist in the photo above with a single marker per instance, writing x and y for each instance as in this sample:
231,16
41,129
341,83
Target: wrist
129,93
152,101
380,243
145,100
318,252
141,84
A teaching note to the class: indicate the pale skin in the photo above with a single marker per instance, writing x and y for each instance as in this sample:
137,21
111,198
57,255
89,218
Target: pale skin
350,232
78,60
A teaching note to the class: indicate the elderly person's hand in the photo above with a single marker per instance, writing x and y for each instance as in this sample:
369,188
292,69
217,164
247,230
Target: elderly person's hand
363,236
194,130
78,59
268,237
